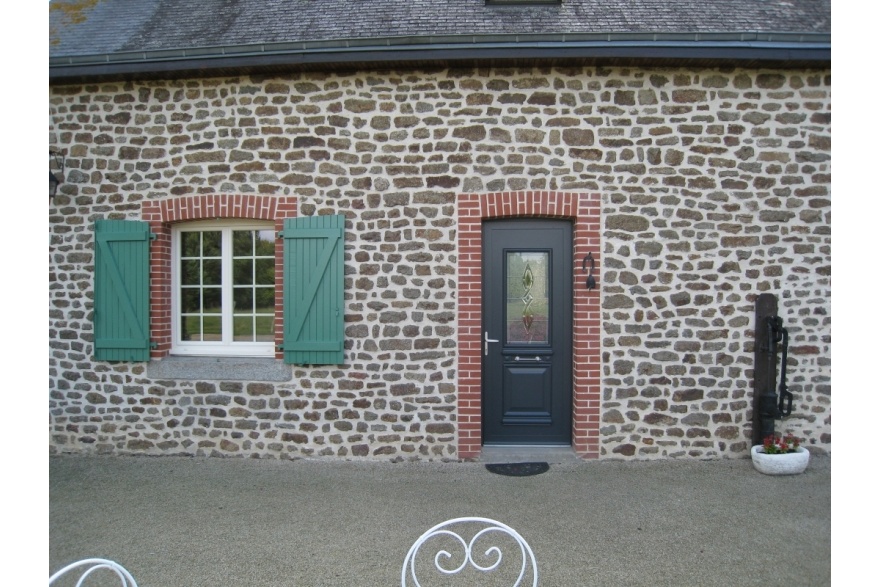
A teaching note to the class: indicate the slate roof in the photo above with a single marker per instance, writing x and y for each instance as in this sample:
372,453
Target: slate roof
90,31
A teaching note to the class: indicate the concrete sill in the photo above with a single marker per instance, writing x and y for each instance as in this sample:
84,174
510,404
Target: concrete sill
220,368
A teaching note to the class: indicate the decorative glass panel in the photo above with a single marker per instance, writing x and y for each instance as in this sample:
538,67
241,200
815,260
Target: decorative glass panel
528,304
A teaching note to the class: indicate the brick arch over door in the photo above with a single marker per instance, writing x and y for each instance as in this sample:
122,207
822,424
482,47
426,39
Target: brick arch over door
161,214
584,212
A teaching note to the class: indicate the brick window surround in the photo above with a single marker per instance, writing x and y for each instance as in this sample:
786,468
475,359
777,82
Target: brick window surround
161,214
584,211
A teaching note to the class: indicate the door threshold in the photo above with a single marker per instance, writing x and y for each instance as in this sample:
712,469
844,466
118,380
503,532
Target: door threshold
527,454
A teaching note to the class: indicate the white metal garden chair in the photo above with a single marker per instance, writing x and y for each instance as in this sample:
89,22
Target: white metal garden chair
450,535
96,564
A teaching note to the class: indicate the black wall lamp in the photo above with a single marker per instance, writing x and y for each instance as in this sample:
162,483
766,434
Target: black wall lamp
591,281
54,180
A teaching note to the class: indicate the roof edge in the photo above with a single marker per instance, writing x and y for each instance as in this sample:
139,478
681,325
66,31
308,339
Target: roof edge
746,46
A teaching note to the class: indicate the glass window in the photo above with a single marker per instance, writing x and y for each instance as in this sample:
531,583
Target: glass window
223,295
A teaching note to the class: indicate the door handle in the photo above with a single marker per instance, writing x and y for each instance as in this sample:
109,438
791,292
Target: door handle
486,341
518,358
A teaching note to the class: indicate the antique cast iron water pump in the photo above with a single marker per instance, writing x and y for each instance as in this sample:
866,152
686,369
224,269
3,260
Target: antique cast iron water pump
768,405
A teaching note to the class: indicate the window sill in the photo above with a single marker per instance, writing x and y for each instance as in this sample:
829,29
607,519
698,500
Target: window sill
220,368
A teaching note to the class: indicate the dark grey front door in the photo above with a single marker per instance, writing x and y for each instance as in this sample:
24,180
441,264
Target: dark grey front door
527,332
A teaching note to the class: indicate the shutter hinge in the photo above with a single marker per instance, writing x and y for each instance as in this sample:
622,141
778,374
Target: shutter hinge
153,236
154,344
279,234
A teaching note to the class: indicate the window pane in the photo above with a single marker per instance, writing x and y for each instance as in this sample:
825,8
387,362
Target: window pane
211,328
242,271
190,300
242,243
243,298
190,328
243,328
265,271
211,243
265,328
211,300
265,300
189,272
189,244
265,243
211,272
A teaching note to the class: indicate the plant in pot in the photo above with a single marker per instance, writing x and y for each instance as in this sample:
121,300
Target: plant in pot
780,455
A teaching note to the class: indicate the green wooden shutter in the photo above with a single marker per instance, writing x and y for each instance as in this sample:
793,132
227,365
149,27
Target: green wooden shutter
313,290
122,290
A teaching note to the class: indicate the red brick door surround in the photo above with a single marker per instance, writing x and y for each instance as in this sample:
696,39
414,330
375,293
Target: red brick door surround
584,212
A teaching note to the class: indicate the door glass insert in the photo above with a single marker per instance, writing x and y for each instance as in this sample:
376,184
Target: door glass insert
528,303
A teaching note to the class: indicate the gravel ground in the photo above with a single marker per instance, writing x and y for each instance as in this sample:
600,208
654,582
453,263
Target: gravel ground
192,522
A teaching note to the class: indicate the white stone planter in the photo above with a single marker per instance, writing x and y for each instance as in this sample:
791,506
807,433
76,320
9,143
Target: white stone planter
790,463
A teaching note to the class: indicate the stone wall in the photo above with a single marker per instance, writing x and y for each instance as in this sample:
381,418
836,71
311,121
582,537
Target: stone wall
715,187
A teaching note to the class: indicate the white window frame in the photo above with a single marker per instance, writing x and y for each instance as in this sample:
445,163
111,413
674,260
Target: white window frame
226,347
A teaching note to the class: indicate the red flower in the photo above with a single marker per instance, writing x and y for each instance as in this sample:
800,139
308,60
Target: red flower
774,444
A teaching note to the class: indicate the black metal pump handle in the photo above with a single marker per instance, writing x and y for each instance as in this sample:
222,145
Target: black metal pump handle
785,396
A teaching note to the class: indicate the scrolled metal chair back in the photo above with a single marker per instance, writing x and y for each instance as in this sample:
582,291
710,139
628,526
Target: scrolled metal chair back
96,564
448,536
